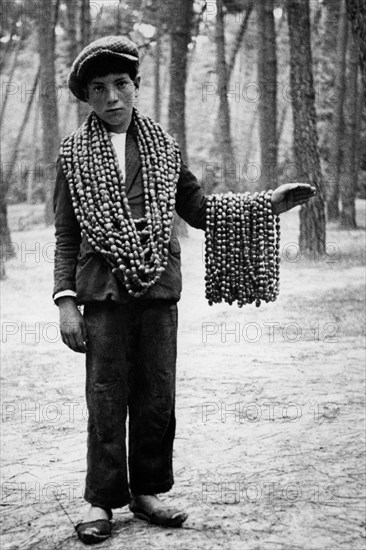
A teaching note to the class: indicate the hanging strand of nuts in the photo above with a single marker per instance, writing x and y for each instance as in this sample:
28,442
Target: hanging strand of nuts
242,241
137,250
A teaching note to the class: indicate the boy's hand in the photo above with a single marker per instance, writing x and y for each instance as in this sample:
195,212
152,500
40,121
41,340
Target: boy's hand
72,325
289,195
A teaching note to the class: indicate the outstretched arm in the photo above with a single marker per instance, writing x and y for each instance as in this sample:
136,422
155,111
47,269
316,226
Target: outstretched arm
289,195
191,201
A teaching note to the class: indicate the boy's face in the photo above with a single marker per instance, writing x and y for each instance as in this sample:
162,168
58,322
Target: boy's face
112,99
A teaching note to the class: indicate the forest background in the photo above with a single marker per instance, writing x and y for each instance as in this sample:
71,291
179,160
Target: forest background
256,93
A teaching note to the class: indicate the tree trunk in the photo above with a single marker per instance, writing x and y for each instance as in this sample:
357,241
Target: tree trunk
312,216
238,40
85,26
11,165
267,80
10,80
7,250
31,178
180,27
6,247
180,21
324,44
360,156
73,16
85,23
230,67
71,12
225,141
356,10
48,98
118,18
338,121
157,85
350,175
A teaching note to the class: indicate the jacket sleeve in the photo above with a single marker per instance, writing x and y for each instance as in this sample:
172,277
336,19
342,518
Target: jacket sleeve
68,235
190,203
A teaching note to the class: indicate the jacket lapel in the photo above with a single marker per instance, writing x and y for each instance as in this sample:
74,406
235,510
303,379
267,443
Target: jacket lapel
133,162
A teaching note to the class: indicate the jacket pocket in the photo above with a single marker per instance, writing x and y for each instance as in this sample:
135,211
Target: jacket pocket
83,258
85,251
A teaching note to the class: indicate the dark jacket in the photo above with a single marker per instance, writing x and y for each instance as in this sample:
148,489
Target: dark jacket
80,268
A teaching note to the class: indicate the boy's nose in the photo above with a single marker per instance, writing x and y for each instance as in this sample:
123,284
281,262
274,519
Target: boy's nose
112,95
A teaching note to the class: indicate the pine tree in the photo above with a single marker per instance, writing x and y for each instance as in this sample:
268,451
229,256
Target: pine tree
338,118
180,22
349,178
84,32
48,96
267,81
180,26
356,10
225,140
312,215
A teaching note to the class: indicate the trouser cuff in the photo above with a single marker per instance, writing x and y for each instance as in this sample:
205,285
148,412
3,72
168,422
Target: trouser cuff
152,488
106,503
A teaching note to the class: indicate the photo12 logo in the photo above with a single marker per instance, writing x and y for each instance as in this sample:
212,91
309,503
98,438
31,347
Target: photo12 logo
268,332
233,492
241,412
27,492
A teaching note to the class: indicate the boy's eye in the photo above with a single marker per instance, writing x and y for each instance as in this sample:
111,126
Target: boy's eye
97,88
121,84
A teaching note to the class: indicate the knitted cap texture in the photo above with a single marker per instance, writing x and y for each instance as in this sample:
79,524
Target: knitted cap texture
117,46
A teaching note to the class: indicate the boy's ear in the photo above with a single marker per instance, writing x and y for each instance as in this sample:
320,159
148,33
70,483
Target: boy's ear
137,81
86,93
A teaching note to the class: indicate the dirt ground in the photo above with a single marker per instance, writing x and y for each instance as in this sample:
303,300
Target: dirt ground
270,440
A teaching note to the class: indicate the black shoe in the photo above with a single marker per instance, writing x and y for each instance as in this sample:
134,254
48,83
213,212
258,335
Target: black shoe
164,516
94,532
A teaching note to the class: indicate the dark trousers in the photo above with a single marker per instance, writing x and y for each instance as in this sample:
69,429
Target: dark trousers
130,366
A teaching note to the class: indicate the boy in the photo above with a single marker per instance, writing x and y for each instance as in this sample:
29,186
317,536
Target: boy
119,179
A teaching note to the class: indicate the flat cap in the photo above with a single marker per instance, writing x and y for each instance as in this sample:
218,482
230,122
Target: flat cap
115,46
